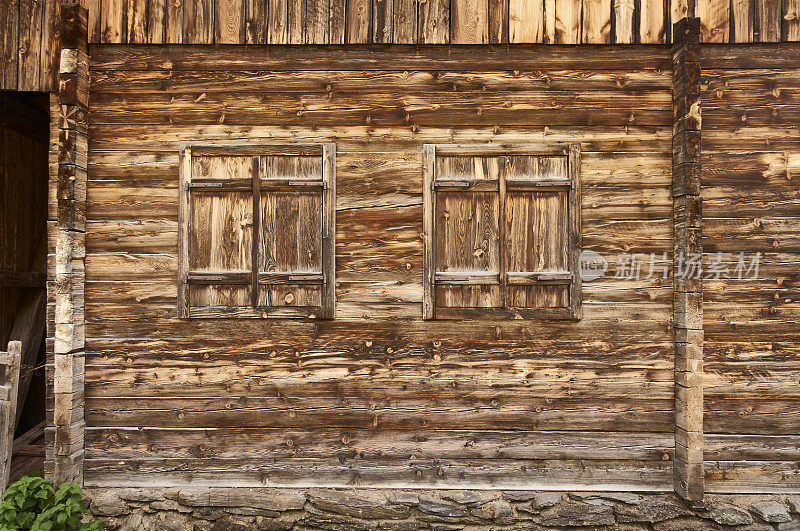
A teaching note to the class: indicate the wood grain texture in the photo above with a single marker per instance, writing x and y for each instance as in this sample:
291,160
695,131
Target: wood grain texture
623,16
197,26
768,21
359,18
525,21
567,22
469,22
652,28
323,22
434,22
156,17
30,44
378,372
136,18
596,28
112,21
714,20
228,22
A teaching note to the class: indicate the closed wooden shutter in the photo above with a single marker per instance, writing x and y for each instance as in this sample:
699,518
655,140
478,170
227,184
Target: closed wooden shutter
257,231
502,226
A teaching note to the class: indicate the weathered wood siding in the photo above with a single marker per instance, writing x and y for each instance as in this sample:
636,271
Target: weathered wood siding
751,173
376,396
29,54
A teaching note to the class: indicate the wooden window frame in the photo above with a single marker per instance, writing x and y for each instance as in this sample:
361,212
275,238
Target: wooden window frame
327,151
571,277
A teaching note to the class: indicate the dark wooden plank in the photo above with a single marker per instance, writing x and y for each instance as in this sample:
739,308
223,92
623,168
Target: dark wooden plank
459,474
174,21
136,18
396,58
156,17
338,24
277,22
127,443
329,231
768,21
405,29
434,22
198,26
359,17
317,21
256,21
9,19
30,44
48,71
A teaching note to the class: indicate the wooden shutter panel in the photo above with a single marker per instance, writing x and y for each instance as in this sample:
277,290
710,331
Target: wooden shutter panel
257,228
501,231
537,243
220,232
467,223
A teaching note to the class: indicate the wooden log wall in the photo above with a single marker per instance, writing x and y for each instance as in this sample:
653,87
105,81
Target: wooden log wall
30,42
377,396
751,172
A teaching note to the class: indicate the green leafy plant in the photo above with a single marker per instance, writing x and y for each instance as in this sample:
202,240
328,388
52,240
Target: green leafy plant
31,503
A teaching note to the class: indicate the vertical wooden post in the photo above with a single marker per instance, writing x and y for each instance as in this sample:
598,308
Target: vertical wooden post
65,368
687,285
8,421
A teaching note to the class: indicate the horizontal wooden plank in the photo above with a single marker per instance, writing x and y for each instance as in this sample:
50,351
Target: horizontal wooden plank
385,58
574,414
255,376
751,416
368,292
417,108
737,447
494,473
773,234
750,56
129,200
168,138
644,82
742,136
752,477
279,443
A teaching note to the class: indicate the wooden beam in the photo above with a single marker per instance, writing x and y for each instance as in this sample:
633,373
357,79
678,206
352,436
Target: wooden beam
65,372
9,384
687,292
29,329
29,436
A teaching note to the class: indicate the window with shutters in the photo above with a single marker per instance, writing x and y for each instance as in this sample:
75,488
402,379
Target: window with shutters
257,231
501,231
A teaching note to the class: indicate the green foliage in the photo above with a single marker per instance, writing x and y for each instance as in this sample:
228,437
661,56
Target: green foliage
31,503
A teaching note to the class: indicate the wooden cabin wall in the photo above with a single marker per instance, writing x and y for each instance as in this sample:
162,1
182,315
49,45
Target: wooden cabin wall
376,396
751,173
29,51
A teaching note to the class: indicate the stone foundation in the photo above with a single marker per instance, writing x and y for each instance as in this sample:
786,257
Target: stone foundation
366,509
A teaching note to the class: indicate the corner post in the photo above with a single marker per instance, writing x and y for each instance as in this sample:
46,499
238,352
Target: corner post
687,246
65,367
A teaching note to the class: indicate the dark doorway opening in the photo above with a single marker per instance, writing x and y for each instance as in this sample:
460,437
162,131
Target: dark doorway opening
24,142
